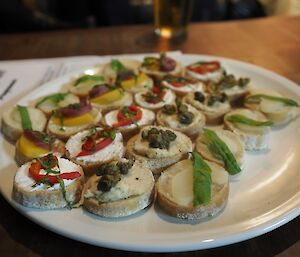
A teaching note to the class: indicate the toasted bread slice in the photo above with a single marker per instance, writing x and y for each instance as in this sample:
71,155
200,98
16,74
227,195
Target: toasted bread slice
90,163
231,139
214,114
175,191
275,111
158,159
11,124
133,193
64,132
28,193
191,130
254,138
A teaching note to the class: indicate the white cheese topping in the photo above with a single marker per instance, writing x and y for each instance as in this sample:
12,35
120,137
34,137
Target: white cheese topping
207,76
182,144
147,118
168,98
75,142
26,182
198,86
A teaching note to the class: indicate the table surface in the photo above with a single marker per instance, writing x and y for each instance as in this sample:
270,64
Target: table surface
273,43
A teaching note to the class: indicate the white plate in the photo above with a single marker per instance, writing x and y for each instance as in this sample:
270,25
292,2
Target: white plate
264,196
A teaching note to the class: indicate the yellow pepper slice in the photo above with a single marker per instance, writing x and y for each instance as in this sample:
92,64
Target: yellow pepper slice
108,97
29,149
75,121
130,83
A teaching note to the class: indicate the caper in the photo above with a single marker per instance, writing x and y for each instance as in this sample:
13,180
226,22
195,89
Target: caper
212,99
223,97
106,182
124,167
153,131
107,168
144,134
242,82
186,117
183,108
170,135
169,109
198,96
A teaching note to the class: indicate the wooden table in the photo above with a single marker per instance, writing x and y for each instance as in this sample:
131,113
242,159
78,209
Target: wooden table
273,43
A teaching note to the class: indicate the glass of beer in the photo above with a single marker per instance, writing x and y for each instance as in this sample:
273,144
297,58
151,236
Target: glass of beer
171,17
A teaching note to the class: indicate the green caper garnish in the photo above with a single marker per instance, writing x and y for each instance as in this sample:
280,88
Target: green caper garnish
169,109
124,167
105,169
198,96
108,181
242,82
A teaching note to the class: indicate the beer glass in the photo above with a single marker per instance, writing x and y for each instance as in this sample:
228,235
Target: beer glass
171,17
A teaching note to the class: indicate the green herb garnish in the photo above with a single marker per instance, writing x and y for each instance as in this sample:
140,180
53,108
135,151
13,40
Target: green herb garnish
55,98
116,65
257,98
202,180
25,118
86,78
110,133
222,151
237,118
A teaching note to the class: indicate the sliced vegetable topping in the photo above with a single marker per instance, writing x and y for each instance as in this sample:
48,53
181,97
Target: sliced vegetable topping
155,95
52,173
177,81
86,78
111,174
158,138
96,140
55,98
117,66
99,90
202,180
255,99
237,118
25,118
109,97
128,115
204,67
163,63
74,110
217,146
40,139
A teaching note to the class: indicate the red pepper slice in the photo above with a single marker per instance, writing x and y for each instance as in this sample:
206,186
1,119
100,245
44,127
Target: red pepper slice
177,84
206,67
125,121
96,146
34,171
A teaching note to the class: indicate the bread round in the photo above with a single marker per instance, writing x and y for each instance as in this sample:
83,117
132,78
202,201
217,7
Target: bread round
45,198
274,111
129,131
183,208
124,206
11,123
110,74
58,148
49,106
191,130
158,161
214,114
125,100
56,131
231,139
91,163
254,138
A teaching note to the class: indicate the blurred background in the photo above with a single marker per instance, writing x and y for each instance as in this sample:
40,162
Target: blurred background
40,15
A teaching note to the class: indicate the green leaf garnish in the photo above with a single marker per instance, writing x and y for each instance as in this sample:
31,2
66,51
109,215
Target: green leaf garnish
117,66
86,78
221,150
110,133
257,98
55,98
202,180
237,118
25,118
